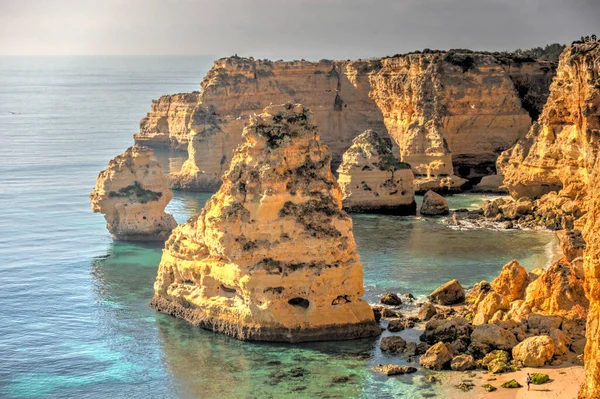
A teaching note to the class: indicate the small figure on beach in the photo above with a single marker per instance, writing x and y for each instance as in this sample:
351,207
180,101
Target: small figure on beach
528,380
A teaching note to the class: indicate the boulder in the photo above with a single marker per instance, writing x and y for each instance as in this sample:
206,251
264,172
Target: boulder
492,303
511,384
534,351
543,323
448,294
561,342
571,243
389,298
497,362
557,290
462,363
494,336
445,330
426,312
434,205
437,357
512,281
516,209
478,292
539,378
392,344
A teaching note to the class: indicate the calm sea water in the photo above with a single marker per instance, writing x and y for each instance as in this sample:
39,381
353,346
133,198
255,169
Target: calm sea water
74,319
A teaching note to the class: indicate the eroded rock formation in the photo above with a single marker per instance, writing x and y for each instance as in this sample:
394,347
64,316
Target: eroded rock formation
168,122
132,194
372,179
450,113
558,161
271,256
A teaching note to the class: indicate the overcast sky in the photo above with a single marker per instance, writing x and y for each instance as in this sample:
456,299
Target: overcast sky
287,28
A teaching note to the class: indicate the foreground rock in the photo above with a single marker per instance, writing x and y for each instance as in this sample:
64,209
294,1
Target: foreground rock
437,357
448,294
434,205
271,256
534,351
373,180
133,194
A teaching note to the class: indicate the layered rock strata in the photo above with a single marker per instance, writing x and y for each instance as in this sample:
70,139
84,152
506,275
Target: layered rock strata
167,123
271,257
450,113
132,194
372,179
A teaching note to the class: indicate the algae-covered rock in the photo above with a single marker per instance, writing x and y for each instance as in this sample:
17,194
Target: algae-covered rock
511,384
539,378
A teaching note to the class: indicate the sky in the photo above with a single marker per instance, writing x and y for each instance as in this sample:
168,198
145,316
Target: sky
288,29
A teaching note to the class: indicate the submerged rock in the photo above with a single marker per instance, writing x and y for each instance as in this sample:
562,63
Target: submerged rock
132,194
394,369
434,205
272,256
373,180
393,344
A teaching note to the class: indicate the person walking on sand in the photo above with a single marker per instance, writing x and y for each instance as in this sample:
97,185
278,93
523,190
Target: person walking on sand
528,380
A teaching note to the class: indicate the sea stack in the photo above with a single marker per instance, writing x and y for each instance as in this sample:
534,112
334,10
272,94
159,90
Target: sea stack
132,194
373,180
271,257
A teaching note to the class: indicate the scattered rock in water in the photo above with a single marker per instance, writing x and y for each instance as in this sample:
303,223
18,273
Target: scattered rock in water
456,219
511,384
437,357
389,298
434,205
410,296
539,378
411,349
377,313
448,294
393,344
394,369
462,363
389,313
340,379
489,387
400,324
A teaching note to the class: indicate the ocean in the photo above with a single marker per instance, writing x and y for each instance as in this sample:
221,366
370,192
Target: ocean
74,318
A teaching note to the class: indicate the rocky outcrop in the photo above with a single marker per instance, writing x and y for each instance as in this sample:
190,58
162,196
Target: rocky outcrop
132,194
450,113
558,290
373,180
512,281
437,357
271,256
434,205
552,156
167,123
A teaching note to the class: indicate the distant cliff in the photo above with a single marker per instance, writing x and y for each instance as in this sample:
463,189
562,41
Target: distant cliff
450,113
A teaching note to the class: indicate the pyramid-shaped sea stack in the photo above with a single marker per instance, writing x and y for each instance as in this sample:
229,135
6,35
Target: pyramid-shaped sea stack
271,257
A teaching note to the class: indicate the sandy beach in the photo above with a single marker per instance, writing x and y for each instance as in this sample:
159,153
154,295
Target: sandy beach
564,383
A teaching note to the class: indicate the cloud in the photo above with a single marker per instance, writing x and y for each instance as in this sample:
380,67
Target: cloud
288,28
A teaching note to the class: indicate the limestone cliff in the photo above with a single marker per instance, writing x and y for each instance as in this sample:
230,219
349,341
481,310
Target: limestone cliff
552,156
167,123
372,179
451,114
560,153
132,194
271,256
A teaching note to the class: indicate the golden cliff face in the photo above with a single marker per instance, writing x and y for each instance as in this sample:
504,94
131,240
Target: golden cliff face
560,153
445,118
451,113
167,123
373,180
272,255
552,156
132,194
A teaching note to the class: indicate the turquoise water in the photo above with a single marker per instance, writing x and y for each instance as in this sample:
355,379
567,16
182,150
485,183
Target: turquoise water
74,319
